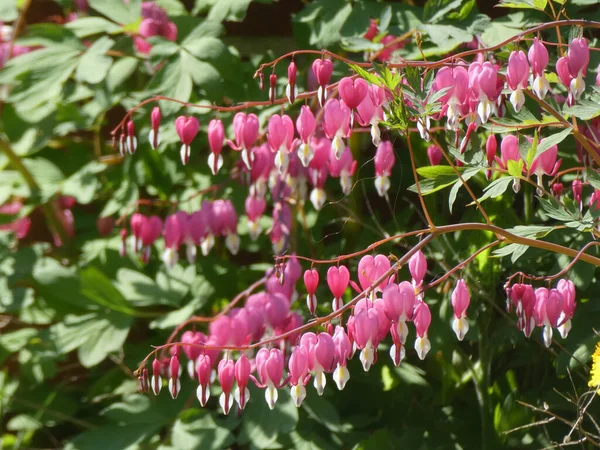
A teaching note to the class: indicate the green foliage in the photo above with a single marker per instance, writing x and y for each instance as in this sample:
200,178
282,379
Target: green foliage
77,319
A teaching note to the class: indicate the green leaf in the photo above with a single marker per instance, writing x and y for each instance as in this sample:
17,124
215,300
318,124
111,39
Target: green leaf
531,231
515,168
117,10
437,171
88,26
200,430
84,183
540,5
429,186
514,250
593,177
46,174
555,210
585,109
551,140
94,64
98,288
495,189
324,20
93,335
9,11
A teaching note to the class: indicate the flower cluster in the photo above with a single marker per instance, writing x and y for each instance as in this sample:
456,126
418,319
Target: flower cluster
542,307
155,22
266,318
199,229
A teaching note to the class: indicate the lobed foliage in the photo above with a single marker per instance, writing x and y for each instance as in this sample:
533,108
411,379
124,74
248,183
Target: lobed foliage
77,318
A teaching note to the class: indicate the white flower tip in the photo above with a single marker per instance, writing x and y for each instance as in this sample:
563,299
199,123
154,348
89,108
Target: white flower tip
320,382
382,184
338,146
226,402
422,346
318,198
207,244
211,163
185,154
367,356
232,242
396,354
564,329
306,154
174,387
247,157
271,396
156,384
341,375
460,327
203,394
547,335
298,394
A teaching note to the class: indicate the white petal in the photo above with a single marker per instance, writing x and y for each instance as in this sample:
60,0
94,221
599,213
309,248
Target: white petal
375,134
203,394
232,242
397,356
460,327
247,157
190,253
320,382
191,368
422,346
382,184
207,244
271,396
226,402
547,335
238,398
174,388
311,303
367,356
184,152
282,161
564,329
298,394
254,230
346,183
156,384
318,198
341,375
338,146
306,154
211,163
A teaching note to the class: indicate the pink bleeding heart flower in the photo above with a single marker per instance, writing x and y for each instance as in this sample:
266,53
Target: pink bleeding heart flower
422,320
517,74
154,136
343,168
567,290
321,353
311,281
509,151
216,137
245,129
192,342
384,162
322,68
269,365
417,266
156,381
366,333
150,231
371,269
336,124
434,154
291,90
343,352
337,280
187,129
460,302
280,137
352,92
305,124
242,376
548,307
226,375
524,299
255,208
545,164
491,149
174,383
538,58
203,370
298,368
456,82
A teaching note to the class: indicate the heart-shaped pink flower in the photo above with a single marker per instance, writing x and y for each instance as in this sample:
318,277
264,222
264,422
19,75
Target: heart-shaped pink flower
187,128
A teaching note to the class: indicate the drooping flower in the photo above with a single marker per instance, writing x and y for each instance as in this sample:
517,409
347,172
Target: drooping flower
245,130
305,124
216,137
548,307
298,368
322,68
154,136
384,162
343,352
226,375
337,280
567,290
366,331
281,137
269,365
460,302
242,376
311,281
336,124
422,320
291,91
538,58
517,74
187,129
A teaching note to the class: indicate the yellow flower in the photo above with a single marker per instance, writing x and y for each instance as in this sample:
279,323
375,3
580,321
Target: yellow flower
595,373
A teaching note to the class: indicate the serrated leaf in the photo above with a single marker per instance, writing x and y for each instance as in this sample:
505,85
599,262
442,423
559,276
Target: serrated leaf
540,5
495,189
